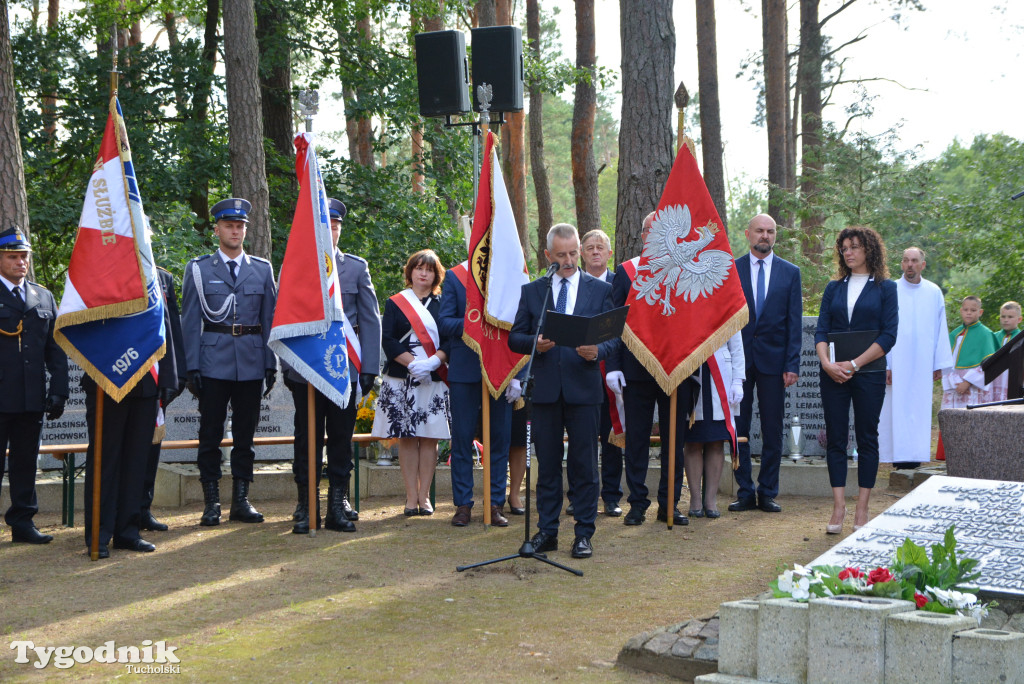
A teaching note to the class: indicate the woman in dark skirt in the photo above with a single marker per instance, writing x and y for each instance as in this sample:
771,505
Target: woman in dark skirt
413,402
704,450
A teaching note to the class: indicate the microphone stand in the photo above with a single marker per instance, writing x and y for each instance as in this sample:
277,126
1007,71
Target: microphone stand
527,550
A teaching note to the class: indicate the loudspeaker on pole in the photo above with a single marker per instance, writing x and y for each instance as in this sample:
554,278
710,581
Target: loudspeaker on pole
498,60
442,73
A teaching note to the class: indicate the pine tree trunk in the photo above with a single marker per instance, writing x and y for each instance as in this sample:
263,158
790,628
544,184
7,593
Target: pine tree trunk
364,126
245,127
810,135
645,129
199,195
49,106
514,151
710,115
584,170
776,97
13,201
541,186
486,13
276,78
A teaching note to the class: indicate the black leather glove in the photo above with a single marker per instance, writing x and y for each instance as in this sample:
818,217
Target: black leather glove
269,378
54,407
366,383
167,395
195,383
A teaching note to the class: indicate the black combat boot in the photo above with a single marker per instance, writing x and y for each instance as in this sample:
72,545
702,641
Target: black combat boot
302,524
350,513
301,509
336,518
241,509
211,497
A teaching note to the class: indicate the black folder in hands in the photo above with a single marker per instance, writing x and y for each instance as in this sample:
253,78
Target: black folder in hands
846,346
576,331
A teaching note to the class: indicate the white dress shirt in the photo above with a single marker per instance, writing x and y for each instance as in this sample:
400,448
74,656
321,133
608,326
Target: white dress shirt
556,286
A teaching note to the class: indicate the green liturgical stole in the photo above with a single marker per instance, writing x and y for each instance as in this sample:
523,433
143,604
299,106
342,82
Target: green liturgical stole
978,343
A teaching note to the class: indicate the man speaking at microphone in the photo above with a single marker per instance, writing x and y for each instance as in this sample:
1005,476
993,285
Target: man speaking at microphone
567,394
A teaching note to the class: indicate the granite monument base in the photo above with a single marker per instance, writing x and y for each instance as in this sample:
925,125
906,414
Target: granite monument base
984,443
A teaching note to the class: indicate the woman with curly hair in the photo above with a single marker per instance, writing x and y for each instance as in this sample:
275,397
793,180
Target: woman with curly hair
860,298
413,402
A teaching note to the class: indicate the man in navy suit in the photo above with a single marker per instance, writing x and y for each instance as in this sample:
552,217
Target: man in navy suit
771,343
466,395
568,391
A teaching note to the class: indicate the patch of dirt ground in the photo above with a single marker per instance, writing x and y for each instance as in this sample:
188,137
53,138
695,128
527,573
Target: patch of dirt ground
257,603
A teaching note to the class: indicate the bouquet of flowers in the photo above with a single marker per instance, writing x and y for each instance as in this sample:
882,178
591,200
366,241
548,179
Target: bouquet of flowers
365,413
935,584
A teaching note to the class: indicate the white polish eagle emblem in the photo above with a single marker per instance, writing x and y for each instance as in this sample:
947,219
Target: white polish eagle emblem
676,266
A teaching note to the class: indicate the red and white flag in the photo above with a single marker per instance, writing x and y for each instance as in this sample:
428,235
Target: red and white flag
686,300
497,272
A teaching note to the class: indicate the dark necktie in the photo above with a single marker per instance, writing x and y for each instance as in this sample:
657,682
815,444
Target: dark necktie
231,267
17,293
759,298
563,297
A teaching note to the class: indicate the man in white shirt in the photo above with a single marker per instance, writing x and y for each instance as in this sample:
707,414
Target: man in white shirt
916,361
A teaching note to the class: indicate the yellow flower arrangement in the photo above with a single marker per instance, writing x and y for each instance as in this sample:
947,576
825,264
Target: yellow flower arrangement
365,413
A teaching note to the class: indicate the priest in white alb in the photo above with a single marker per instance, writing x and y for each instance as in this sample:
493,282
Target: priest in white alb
915,362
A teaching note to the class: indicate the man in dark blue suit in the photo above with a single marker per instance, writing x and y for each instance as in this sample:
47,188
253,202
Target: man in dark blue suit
466,395
568,392
771,343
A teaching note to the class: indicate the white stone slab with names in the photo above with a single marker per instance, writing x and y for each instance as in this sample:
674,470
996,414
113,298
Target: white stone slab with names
989,519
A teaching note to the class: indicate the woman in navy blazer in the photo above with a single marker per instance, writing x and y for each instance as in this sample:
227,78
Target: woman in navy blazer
861,297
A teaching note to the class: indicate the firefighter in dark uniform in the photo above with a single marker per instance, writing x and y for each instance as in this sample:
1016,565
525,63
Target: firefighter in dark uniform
146,519
228,300
27,352
359,302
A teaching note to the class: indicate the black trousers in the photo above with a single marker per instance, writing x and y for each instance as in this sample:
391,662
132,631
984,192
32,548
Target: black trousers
244,396
127,436
865,391
20,433
337,422
771,398
149,481
639,398
580,422
611,459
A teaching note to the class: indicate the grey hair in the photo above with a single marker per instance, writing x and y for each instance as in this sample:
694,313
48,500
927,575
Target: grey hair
562,230
597,233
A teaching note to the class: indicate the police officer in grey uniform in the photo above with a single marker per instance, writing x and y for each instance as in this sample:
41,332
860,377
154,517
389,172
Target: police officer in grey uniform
27,351
228,300
359,301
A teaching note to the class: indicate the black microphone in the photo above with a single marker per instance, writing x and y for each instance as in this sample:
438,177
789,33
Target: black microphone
552,270
1018,195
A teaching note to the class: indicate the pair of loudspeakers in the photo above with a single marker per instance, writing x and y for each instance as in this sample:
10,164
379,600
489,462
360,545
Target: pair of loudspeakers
442,71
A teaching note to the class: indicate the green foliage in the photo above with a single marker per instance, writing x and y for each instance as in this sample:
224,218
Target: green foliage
944,570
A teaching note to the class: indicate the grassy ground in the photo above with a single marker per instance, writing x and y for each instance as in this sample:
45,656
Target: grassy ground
257,603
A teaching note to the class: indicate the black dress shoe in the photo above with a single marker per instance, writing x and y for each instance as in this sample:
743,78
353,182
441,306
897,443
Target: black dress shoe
696,513
516,511
742,505
635,516
409,512
544,542
712,514
101,552
134,545
677,517
612,509
570,510
768,505
28,534
581,548
148,522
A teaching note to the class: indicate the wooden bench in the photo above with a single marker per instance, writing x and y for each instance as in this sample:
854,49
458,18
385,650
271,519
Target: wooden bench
71,469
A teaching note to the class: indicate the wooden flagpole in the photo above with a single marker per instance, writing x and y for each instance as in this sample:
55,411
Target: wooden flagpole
485,457
672,410
97,470
311,440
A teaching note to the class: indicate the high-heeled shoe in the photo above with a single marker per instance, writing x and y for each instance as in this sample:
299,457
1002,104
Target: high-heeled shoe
836,529
712,514
409,512
426,510
696,512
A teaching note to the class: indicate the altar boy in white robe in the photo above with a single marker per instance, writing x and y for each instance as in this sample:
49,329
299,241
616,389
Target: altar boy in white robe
916,361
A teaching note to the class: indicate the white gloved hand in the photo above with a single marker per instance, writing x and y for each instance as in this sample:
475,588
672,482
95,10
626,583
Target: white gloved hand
419,370
432,364
735,393
514,391
615,381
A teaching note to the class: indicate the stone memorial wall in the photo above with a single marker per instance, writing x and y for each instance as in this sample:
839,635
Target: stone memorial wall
182,421
989,519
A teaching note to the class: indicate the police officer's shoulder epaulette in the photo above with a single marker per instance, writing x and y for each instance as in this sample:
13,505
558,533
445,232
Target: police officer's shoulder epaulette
256,258
201,257
161,268
356,257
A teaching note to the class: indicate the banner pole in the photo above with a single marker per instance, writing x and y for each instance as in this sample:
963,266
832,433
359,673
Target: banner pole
485,457
311,440
672,410
97,470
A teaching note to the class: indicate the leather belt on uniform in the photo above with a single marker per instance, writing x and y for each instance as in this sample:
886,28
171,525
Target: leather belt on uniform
235,330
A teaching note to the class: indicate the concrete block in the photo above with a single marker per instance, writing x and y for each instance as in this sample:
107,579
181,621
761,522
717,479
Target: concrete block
846,638
919,646
981,656
719,678
782,641
737,629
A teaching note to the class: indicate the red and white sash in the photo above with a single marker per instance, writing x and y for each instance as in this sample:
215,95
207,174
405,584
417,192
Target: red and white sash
616,409
423,325
462,273
630,267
